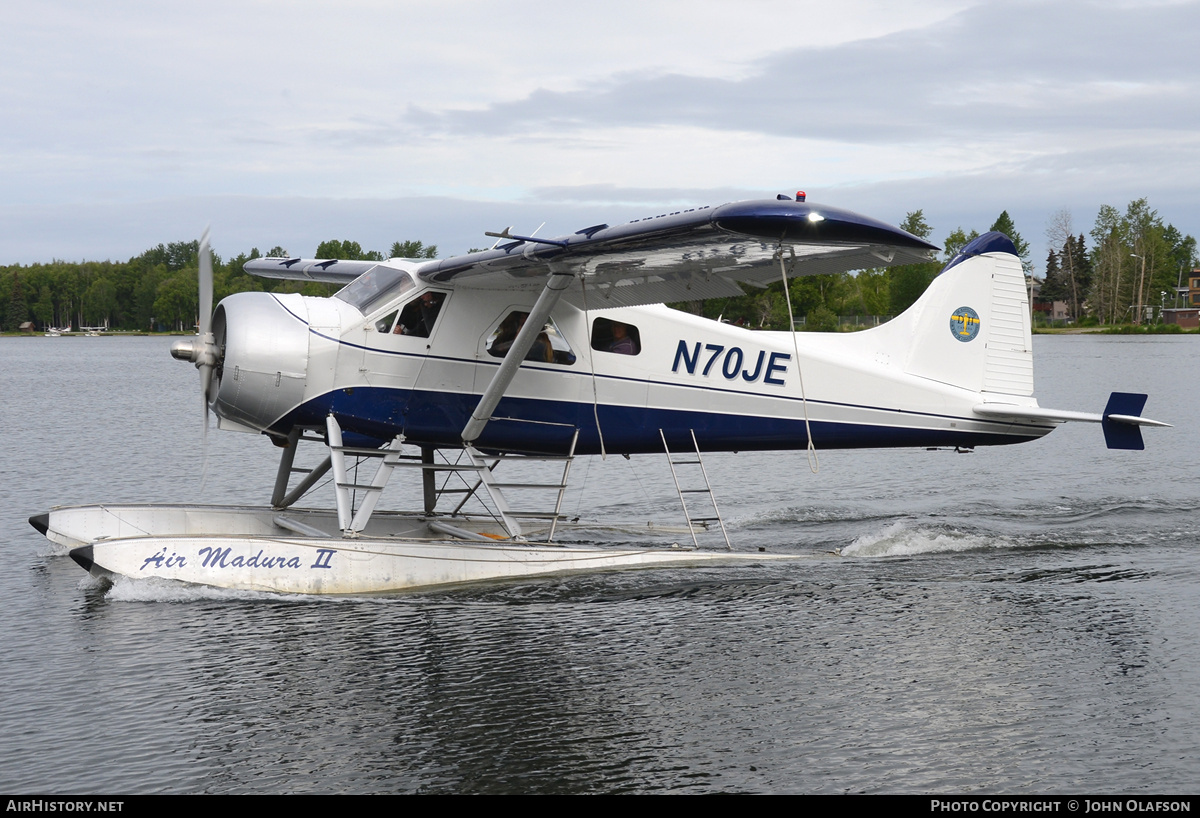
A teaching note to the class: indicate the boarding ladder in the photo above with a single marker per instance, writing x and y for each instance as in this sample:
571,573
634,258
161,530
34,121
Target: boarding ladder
686,460
350,521
481,467
498,490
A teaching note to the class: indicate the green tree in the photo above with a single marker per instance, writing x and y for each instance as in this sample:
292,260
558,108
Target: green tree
43,308
339,249
871,289
100,302
1004,224
1077,262
821,319
956,241
413,249
1052,289
178,300
1109,260
18,310
347,249
1137,260
1075,270
907,282
768,309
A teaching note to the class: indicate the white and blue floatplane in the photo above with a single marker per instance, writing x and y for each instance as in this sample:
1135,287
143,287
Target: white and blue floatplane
550,349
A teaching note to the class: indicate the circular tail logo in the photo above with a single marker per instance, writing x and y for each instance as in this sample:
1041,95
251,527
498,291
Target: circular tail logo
964,324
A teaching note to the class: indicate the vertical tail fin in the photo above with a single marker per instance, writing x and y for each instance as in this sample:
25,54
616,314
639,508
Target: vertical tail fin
971,326
1119,433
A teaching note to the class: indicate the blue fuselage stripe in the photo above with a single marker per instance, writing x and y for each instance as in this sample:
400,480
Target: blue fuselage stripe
438,418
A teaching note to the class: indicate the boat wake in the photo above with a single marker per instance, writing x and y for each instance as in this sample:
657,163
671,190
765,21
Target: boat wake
156,589
903,539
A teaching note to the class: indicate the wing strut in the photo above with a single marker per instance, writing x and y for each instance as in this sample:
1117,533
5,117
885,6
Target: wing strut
555,285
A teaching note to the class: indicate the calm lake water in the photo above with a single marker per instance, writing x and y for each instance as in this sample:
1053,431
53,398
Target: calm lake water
1019,620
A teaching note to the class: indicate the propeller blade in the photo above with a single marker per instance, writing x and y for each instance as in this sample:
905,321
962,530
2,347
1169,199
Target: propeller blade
206,285
205,364
207,354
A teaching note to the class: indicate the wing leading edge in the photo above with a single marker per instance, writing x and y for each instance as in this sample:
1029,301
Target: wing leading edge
329,271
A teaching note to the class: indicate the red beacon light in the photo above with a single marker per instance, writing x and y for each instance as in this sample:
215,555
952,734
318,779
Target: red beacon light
800,195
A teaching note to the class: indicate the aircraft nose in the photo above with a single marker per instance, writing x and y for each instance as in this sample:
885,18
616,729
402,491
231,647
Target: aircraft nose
261,373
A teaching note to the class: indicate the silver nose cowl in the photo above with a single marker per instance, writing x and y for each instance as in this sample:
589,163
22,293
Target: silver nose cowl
261,373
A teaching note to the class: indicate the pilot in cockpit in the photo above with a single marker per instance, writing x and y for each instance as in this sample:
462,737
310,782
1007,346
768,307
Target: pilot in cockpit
419,316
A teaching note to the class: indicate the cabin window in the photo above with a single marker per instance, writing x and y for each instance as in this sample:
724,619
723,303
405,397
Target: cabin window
374,285
550,347
385,324
616,336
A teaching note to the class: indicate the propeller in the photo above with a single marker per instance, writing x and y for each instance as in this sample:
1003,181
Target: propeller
202,350
207,359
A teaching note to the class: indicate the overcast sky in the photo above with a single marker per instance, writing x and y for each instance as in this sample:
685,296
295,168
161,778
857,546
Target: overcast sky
126,124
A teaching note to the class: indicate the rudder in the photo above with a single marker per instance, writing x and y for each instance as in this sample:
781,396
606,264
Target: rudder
971,327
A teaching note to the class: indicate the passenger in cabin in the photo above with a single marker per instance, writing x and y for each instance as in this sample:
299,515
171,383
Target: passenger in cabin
616,337
622,343
542,350
507,333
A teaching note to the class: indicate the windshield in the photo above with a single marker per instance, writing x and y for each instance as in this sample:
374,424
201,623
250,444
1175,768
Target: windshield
374,285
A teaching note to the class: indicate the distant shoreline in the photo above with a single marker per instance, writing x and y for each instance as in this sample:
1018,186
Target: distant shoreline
1116,329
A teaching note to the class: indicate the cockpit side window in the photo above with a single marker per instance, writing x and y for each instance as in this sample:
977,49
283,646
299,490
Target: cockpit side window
616,336
374,285
550,347
385,324
419,315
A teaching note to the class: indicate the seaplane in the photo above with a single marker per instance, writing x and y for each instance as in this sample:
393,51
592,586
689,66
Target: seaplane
548,349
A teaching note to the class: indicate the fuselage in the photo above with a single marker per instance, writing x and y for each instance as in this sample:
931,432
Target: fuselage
409,359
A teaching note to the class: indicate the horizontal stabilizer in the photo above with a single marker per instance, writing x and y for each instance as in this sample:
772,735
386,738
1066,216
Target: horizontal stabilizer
1118,433
1120,420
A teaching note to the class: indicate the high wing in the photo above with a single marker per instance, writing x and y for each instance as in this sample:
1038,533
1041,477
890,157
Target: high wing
689,255
329,271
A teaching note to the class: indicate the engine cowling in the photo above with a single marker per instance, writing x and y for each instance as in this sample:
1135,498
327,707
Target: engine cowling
261,371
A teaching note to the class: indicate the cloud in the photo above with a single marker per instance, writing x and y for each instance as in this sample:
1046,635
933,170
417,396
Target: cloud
132,125
989,70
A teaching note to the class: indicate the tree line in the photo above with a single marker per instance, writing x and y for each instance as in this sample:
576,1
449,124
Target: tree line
156,290
1132,266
